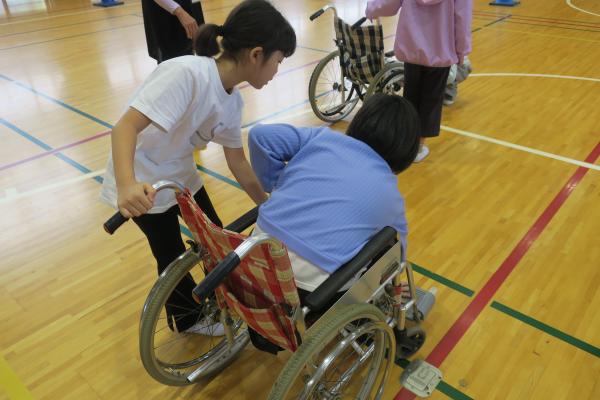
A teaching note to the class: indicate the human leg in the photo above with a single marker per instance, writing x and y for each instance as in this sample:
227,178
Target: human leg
164,237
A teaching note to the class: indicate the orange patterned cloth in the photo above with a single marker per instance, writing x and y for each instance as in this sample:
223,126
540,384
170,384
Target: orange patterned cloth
261,290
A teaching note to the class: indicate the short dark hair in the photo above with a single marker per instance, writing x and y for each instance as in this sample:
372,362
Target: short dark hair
252,23
389,125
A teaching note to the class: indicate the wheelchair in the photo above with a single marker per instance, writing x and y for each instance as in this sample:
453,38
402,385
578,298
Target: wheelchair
357,69
246,283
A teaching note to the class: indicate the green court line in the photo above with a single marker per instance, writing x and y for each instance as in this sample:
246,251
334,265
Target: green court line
444,281
580,344
443,387
467,292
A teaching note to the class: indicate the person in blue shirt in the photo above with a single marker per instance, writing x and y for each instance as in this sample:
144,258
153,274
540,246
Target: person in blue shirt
330,192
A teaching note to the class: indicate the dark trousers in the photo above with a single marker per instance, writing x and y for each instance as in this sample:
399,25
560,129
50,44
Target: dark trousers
165,37
164,237
424,88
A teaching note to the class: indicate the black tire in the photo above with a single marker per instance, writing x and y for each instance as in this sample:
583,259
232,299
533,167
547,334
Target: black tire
325,90
211,353
326,342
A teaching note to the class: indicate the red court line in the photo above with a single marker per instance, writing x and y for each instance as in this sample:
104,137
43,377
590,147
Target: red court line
462,324
54,151
98,135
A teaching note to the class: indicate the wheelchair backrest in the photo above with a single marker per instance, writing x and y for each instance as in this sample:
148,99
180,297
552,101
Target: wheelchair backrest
261,290
362,49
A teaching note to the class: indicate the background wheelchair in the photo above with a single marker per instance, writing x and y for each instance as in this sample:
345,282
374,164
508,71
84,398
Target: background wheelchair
354,71
247,284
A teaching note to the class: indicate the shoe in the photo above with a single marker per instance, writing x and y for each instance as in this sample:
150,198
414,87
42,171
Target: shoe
423,152
448,101
207,327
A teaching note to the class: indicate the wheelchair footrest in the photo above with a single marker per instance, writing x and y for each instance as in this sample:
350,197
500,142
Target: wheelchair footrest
421,378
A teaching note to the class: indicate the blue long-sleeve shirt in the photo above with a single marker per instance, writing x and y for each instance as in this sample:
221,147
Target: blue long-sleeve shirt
330,193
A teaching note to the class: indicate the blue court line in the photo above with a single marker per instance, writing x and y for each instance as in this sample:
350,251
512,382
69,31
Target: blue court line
513,313
45,146
186,231
55,101
229,180
218,176
106,124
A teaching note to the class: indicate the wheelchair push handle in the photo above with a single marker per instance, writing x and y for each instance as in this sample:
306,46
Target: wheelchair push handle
114,222
317,14
320,12
358,23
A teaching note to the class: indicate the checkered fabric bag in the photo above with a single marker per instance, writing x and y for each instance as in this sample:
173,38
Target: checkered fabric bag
363,48
261,290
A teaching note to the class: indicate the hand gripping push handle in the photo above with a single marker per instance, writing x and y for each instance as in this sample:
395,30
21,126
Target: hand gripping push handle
114,222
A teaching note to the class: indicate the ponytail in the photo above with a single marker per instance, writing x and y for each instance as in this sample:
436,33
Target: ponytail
205,43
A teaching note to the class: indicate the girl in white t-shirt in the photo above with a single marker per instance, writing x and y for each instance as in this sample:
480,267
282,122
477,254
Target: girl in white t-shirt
184,104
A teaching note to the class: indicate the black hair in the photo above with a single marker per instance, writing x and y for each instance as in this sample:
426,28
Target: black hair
252,23
389,125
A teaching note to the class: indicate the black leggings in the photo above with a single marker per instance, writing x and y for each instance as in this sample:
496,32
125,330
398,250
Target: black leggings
164,237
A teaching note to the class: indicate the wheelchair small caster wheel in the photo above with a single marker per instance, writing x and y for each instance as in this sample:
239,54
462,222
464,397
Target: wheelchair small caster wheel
409,341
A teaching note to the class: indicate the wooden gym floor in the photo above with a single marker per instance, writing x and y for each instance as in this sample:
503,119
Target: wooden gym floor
504,214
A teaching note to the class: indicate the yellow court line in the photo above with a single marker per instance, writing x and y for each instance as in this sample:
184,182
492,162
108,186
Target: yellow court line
11,384
544,35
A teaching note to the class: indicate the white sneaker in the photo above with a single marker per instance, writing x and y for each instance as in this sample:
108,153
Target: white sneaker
448,101
207,327
423,152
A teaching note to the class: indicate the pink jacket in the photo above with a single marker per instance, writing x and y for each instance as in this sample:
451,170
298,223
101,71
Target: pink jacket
434,33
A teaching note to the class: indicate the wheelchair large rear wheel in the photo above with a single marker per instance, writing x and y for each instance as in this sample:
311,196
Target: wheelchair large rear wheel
179,358
332,96
347,355
390,80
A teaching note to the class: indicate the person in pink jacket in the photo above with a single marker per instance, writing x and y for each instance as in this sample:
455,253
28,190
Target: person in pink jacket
430,37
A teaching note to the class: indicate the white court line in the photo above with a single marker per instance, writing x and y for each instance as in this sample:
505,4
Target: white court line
11,194
522,148
525,148
570,4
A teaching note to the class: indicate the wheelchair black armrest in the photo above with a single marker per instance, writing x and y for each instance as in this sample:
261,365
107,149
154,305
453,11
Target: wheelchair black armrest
244,221
325,292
